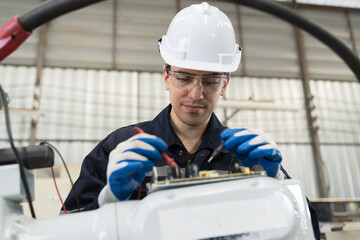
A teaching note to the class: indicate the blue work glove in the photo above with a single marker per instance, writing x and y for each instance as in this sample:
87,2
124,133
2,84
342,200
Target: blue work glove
253,147
128,164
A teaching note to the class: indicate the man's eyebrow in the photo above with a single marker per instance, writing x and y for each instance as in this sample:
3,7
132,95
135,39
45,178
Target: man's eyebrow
206,75
214,74
185,73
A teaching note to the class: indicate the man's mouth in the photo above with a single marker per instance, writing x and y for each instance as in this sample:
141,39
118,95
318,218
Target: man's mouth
194,107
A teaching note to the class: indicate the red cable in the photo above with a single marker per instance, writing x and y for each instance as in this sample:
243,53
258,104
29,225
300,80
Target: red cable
168,159
137,129
63,205
139,194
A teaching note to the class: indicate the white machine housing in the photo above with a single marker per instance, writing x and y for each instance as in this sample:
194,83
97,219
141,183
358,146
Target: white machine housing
250,208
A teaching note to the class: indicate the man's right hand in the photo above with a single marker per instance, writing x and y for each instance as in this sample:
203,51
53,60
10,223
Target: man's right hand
128,164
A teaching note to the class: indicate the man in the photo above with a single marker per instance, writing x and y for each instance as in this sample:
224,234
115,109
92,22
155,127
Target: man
200,52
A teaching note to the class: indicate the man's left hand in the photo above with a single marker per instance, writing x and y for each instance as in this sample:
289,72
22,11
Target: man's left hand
253,147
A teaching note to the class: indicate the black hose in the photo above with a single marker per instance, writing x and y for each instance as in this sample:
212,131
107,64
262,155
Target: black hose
50,10
290,16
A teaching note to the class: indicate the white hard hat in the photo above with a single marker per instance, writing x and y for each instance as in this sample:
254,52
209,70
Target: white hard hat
201,37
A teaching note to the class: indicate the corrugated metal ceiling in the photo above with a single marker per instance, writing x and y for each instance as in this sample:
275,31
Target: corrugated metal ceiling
88,38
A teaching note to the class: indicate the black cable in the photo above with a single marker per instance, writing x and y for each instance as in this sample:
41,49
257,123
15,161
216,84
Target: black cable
289,15
49,10
19,160
67,171
231,164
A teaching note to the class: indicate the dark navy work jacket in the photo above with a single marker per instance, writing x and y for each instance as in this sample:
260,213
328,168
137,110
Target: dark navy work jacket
92,177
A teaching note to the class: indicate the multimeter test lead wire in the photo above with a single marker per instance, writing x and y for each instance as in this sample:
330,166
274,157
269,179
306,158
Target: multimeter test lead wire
168,159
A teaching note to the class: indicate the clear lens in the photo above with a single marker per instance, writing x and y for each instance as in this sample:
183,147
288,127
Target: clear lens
209,83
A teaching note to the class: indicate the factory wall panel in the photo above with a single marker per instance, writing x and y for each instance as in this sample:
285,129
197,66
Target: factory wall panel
269,46
19,84
338,112
286,126
152,95
139,25
82,38
323,63
299,164
355,21
343,169
86,104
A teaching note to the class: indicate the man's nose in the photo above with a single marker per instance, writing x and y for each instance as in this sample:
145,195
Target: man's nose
196,91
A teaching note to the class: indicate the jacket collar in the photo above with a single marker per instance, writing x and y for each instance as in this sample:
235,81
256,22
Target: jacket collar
211,137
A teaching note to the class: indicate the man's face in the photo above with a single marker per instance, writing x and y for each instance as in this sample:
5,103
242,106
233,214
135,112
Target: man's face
192,105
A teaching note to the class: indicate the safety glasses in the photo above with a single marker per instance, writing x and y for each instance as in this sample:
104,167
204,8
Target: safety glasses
186,81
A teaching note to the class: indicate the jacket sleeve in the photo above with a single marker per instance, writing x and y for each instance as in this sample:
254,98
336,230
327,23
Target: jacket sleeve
92,178
314,220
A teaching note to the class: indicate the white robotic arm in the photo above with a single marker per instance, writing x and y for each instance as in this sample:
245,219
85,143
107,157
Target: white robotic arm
249,208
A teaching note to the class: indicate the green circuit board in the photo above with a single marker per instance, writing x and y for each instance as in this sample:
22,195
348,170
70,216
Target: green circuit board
183,182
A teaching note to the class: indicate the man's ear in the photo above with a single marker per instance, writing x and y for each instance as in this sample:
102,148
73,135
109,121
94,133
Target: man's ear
222,93
166,78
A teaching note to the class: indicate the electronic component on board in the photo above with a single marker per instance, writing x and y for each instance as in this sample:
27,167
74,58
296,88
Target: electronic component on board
175,180
173,173
208,174
257,168
192,171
